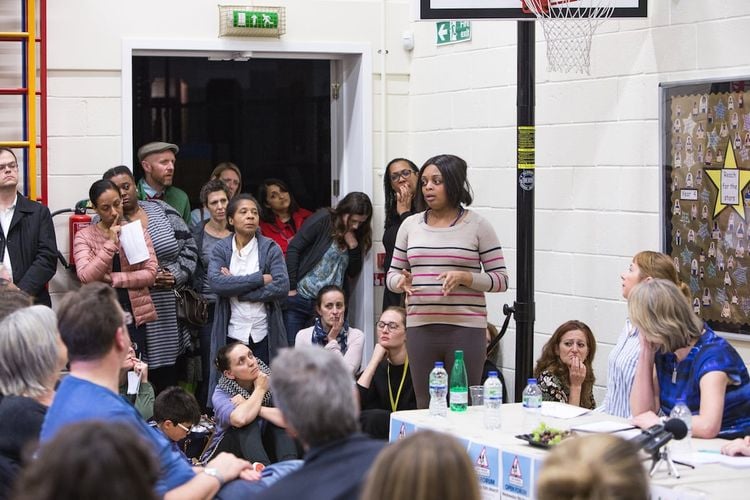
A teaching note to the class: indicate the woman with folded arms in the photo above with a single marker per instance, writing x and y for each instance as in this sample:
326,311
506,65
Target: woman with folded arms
681,358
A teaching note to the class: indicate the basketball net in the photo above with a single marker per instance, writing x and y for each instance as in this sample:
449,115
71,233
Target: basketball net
568,30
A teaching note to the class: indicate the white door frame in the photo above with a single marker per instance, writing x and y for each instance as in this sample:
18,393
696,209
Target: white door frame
351,162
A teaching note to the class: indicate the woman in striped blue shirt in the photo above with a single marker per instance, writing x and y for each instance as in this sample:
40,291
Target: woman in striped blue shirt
623,357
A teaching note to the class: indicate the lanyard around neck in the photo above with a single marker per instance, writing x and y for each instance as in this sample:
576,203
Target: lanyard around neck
394,403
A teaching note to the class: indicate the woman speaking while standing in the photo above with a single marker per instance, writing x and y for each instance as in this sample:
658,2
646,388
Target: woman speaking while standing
446,258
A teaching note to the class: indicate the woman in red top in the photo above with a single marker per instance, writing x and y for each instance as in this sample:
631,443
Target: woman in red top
280,217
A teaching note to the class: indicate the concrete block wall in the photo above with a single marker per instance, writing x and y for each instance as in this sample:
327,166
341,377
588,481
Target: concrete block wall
597,182
598,172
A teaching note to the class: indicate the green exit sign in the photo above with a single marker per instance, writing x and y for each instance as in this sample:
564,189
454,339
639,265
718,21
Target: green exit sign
452,32
255,19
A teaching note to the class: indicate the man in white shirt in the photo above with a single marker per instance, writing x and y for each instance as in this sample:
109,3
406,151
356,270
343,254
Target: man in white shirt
28,249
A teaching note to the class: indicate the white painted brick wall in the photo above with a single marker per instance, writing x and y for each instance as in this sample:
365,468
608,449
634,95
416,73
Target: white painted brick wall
597,137
598,176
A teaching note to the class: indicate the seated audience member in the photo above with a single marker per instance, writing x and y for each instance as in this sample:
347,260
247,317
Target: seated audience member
144,399
624,356
314,390
13,299
492,356
564,370
243,410
31,357
597,467
92,460
739,446
385,384
228,173
331,329
280,215
175,413
681,357
424,466
92,326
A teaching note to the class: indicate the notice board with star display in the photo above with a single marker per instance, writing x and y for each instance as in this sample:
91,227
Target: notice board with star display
706,159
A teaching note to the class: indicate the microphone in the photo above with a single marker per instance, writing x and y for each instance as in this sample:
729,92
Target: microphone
656,436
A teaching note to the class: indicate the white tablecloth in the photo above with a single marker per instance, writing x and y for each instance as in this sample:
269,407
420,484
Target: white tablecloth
507,467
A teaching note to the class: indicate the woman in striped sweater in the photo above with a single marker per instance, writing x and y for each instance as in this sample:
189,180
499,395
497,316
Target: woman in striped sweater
446,258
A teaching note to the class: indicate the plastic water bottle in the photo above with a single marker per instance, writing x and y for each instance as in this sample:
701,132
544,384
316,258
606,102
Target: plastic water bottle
493,400
438,390
682,412
532,404
459,393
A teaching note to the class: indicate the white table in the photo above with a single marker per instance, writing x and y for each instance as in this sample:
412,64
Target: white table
507,467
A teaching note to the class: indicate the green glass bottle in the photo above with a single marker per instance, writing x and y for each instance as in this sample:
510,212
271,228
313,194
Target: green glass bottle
459,386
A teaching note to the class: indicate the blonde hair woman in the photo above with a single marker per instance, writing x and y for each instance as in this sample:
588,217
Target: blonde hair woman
597,467
622,359
681,358
423,466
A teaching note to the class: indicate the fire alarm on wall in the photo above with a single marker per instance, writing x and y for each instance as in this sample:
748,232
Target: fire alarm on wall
407,39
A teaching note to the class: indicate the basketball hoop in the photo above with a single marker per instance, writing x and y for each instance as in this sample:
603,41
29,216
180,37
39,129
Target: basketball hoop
568,27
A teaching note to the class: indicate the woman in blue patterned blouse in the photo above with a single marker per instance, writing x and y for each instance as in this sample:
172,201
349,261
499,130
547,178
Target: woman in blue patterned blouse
682,358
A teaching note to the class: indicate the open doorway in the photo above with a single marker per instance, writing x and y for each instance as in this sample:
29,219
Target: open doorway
349,97
271,117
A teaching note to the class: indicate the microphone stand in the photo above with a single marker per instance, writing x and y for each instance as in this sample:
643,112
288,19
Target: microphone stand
660,456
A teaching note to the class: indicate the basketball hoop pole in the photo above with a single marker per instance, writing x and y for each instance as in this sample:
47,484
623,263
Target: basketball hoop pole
525,169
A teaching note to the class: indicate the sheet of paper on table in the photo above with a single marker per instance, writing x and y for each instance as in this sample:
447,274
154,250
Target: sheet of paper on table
561,410
712,457
604,426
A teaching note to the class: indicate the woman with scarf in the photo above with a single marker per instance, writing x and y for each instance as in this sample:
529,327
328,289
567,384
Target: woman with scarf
331,330
243,410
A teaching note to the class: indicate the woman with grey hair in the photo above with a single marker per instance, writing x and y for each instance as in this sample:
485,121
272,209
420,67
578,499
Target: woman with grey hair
682,359
31,357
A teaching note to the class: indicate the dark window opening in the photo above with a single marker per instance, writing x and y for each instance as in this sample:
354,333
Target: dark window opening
271,117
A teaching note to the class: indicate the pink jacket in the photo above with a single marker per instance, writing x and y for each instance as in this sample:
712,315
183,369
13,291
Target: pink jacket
93,256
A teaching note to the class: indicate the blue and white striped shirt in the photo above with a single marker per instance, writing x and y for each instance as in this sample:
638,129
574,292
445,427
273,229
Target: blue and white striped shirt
621,372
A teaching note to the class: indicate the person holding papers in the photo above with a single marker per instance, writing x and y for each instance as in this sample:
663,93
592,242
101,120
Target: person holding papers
681,358
99,256
177,253
564,369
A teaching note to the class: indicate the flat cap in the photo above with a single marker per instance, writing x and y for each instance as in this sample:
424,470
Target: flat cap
156,147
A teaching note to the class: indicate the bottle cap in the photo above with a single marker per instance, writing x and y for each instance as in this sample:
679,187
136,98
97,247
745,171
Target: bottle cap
438,364
493,373
459,354
531,381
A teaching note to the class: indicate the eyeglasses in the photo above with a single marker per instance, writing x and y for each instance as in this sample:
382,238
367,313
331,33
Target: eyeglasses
391,325
186,429
405,173
12,165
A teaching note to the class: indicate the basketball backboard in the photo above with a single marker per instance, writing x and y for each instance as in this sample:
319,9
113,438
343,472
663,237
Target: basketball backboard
511,9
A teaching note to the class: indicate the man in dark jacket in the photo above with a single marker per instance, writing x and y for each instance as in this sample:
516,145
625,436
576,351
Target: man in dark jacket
28,248
315,393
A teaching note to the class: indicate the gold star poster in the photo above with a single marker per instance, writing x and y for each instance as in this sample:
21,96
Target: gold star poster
707,160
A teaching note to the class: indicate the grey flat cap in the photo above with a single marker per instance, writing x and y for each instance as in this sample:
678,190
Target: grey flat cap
156,147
